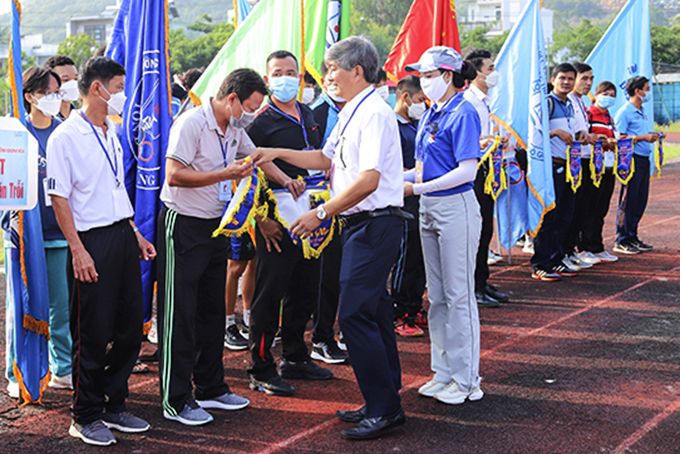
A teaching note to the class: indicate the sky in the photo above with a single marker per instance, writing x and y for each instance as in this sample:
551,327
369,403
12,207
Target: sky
5,6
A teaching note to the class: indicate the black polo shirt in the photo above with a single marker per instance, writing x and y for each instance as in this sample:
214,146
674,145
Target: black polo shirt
271,129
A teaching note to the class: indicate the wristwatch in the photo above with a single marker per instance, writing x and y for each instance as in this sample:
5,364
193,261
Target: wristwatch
321,213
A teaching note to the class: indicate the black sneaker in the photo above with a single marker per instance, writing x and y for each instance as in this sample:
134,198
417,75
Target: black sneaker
643,247
245,331
628,249
304,369
543,275
233,339
484,300
341,342
274,386
564,271
329,353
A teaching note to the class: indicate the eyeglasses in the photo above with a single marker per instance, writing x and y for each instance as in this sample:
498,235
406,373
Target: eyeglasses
51,96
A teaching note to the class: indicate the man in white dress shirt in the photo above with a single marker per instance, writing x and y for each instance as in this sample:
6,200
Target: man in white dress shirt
478,96
86,184
364,155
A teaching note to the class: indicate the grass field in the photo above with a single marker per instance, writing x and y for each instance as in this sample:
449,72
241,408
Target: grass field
673,127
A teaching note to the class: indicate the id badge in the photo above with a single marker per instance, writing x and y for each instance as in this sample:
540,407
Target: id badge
419,172
48,200
225,190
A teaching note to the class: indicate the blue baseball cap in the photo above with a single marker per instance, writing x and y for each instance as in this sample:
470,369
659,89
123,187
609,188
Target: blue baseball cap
437,57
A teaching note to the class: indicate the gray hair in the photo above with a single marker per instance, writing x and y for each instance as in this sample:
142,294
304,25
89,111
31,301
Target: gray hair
356,51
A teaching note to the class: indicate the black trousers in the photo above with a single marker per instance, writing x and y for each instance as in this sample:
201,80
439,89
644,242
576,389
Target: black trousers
329,292
591,226
486,205
548,243
192,270
583,208
102,313
408,275
289,276
633,201
369,251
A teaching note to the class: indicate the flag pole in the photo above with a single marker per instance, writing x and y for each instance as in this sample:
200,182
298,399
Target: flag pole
507,176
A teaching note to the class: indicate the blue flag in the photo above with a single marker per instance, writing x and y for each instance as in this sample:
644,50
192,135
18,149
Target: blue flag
625,51
139,42
241,10
28,296
519,105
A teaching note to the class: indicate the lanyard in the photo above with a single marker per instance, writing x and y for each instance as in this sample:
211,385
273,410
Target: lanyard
35,134
410,125
300,123
224,147
344,128
431,128
565,110
583,109
112,164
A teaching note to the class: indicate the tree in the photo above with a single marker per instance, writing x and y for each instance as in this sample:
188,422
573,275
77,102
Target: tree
477,39
78,47
199,52
576,43
666,44
380,20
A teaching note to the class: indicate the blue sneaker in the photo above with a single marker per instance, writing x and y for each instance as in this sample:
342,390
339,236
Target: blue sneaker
191,415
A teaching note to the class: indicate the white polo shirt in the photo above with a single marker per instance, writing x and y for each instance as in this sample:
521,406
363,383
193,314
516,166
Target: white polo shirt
195,142
79,171
481,101
582,123
366,137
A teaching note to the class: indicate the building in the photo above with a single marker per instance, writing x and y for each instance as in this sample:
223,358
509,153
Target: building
98,26
31,46
497,15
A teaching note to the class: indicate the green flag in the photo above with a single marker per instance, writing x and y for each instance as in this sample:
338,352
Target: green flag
274,25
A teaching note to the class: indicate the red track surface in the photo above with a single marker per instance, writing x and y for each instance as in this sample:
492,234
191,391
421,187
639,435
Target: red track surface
589,364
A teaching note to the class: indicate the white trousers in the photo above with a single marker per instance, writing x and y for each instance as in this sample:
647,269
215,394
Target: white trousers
450,228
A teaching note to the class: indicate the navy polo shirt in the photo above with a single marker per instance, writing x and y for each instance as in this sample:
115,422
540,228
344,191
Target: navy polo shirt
632,121
407,133
445,138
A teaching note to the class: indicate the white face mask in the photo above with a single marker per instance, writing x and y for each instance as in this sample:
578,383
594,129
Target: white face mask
384,92
307,95
435,88
49,104
70,89
116,102
416,110
491,79
331,93
244,121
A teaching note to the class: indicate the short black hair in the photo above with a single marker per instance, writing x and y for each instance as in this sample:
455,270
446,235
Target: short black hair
244,82
563,68
102,69
191,76
636,83
581,67
59,60
309,79
36,79
604,86
280,55
382,75
477,57
409,84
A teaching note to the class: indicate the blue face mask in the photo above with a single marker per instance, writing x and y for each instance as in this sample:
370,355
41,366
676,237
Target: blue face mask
284,88
605,101
647,97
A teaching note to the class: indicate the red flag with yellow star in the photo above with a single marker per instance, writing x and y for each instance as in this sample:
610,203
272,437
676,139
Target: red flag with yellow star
428,23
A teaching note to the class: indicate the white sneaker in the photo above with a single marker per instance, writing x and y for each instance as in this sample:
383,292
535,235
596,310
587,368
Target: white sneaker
569,263
452,394
581,263
13,389
588,257
431,388
153,332
528,247
605,256
63,382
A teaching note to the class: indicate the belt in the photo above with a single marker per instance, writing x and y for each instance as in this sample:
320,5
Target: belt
558,162
357,218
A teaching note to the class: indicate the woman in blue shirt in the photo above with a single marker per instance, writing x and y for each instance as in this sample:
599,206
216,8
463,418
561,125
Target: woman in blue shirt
42,99
447,152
